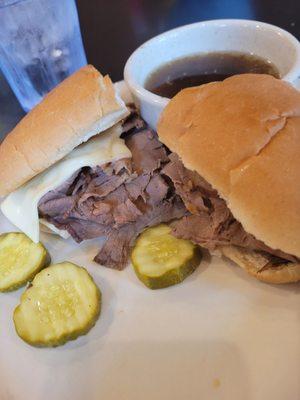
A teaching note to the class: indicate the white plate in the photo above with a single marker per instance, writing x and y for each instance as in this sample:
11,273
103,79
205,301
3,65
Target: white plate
218,335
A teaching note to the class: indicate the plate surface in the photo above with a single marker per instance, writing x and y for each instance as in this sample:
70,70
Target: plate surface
218,335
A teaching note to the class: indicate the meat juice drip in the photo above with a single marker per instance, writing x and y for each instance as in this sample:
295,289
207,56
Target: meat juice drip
203,68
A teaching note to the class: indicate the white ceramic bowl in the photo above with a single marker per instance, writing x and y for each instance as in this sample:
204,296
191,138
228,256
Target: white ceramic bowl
265,40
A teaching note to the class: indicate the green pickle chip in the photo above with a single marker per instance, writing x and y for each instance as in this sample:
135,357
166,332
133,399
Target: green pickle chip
161,260
20,260
62,304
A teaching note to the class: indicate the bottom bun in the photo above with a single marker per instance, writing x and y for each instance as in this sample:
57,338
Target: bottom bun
259,266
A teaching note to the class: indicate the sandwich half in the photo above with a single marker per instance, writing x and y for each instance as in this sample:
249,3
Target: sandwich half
65,166
236,166
59,136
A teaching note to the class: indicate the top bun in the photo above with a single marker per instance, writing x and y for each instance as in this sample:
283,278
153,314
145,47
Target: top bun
243,136
81,106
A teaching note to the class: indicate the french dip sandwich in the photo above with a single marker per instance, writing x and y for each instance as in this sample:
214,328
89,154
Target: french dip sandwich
222,170
51,143
66,167
241,139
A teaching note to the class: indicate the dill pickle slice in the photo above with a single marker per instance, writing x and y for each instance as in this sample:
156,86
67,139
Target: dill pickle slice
20,260
62,304
161,260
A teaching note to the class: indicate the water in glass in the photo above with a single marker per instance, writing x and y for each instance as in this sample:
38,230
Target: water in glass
40,45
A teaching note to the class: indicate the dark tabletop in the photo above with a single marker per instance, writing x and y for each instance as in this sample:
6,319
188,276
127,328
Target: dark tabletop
112,29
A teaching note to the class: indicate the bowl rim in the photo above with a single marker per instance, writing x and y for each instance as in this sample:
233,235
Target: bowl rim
144,93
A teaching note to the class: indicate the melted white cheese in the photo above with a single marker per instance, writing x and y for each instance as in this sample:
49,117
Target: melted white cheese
21,206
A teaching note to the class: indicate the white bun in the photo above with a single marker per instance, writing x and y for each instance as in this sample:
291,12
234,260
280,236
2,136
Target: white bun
255,264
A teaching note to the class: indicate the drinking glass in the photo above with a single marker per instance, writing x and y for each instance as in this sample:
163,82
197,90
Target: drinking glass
40,45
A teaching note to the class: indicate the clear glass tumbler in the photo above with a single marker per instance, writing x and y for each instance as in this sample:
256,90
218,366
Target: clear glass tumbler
40,45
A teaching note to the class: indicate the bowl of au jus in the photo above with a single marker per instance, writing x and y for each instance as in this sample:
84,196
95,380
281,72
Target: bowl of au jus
204,52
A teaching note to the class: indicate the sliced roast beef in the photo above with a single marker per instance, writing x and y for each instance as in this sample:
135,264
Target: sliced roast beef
133,123
148,153
137,187
189,185
115,251
117,199
210,223
126,212
59,205
81,229
157,190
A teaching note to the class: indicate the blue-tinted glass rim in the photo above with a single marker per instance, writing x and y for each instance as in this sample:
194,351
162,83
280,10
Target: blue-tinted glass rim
7,3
